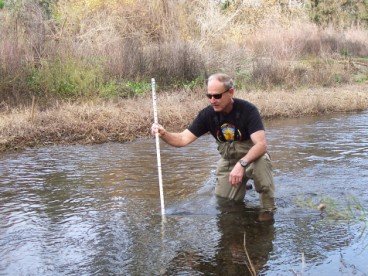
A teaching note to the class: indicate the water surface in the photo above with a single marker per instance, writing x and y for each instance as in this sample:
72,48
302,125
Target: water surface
95,210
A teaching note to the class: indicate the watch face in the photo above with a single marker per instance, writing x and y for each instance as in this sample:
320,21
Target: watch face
243,163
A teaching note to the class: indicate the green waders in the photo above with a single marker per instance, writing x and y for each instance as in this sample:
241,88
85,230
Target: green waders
260,171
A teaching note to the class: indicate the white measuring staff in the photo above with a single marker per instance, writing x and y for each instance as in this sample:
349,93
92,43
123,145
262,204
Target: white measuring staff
155,119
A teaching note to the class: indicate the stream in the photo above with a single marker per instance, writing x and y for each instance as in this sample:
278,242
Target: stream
95,210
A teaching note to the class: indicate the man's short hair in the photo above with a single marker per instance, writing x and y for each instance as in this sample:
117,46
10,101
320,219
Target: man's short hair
224,78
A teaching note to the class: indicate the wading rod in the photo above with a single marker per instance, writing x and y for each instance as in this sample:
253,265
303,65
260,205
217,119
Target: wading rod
155,119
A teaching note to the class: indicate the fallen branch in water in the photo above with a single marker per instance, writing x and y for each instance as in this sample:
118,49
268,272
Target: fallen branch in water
303,267
248,262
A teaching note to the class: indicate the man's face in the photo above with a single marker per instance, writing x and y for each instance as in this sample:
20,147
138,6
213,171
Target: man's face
224,103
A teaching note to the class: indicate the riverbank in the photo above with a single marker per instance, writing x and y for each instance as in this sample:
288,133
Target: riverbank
126,120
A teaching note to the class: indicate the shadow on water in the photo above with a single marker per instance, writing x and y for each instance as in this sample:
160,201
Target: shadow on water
234,222
95,210
231,222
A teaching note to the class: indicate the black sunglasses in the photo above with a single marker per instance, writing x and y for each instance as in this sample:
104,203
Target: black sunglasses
217,96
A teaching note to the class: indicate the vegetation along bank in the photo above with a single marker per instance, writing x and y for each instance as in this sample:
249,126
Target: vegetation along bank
125,120
79,71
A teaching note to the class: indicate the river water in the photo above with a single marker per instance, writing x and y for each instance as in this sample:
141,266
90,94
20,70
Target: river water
95,210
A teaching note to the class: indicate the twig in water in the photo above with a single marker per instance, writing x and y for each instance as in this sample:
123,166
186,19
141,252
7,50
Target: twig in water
303,263
248,262
303,267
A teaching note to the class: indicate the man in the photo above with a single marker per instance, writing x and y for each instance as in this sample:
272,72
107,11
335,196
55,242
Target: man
239,132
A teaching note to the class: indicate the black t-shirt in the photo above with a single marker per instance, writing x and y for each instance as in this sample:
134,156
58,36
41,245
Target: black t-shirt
243,120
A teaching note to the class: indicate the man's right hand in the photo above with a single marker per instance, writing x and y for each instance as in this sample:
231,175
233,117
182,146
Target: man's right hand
157,128
172,138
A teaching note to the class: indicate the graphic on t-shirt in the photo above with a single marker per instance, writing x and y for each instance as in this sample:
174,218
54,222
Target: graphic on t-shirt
228,132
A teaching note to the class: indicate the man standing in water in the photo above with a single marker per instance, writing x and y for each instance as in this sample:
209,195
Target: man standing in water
239,132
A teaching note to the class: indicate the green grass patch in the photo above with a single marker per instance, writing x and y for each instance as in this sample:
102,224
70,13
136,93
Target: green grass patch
350,209
361,77
72,79
123,89
66,79
138,88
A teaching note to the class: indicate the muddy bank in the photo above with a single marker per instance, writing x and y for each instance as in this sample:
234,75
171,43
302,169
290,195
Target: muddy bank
126,120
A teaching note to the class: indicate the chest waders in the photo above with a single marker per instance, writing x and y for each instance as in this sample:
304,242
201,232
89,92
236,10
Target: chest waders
260,171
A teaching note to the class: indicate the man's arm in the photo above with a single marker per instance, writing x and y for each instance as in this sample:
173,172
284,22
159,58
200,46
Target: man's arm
259,148
174,139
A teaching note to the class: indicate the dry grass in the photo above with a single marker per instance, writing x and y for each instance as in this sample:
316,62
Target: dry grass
126,120
301,54
175,42
310,101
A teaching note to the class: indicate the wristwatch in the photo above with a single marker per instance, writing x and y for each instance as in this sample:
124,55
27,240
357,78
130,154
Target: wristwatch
243,163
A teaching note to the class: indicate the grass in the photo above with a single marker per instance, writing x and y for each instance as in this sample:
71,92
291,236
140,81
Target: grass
98,121
351,211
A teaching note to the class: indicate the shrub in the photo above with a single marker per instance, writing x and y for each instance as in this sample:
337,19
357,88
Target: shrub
169,62
340,13
88,48
66,79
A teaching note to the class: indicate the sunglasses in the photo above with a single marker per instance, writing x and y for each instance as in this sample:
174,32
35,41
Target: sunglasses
217,96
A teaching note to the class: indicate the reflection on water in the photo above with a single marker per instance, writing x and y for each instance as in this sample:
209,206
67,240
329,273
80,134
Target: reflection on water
85,210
